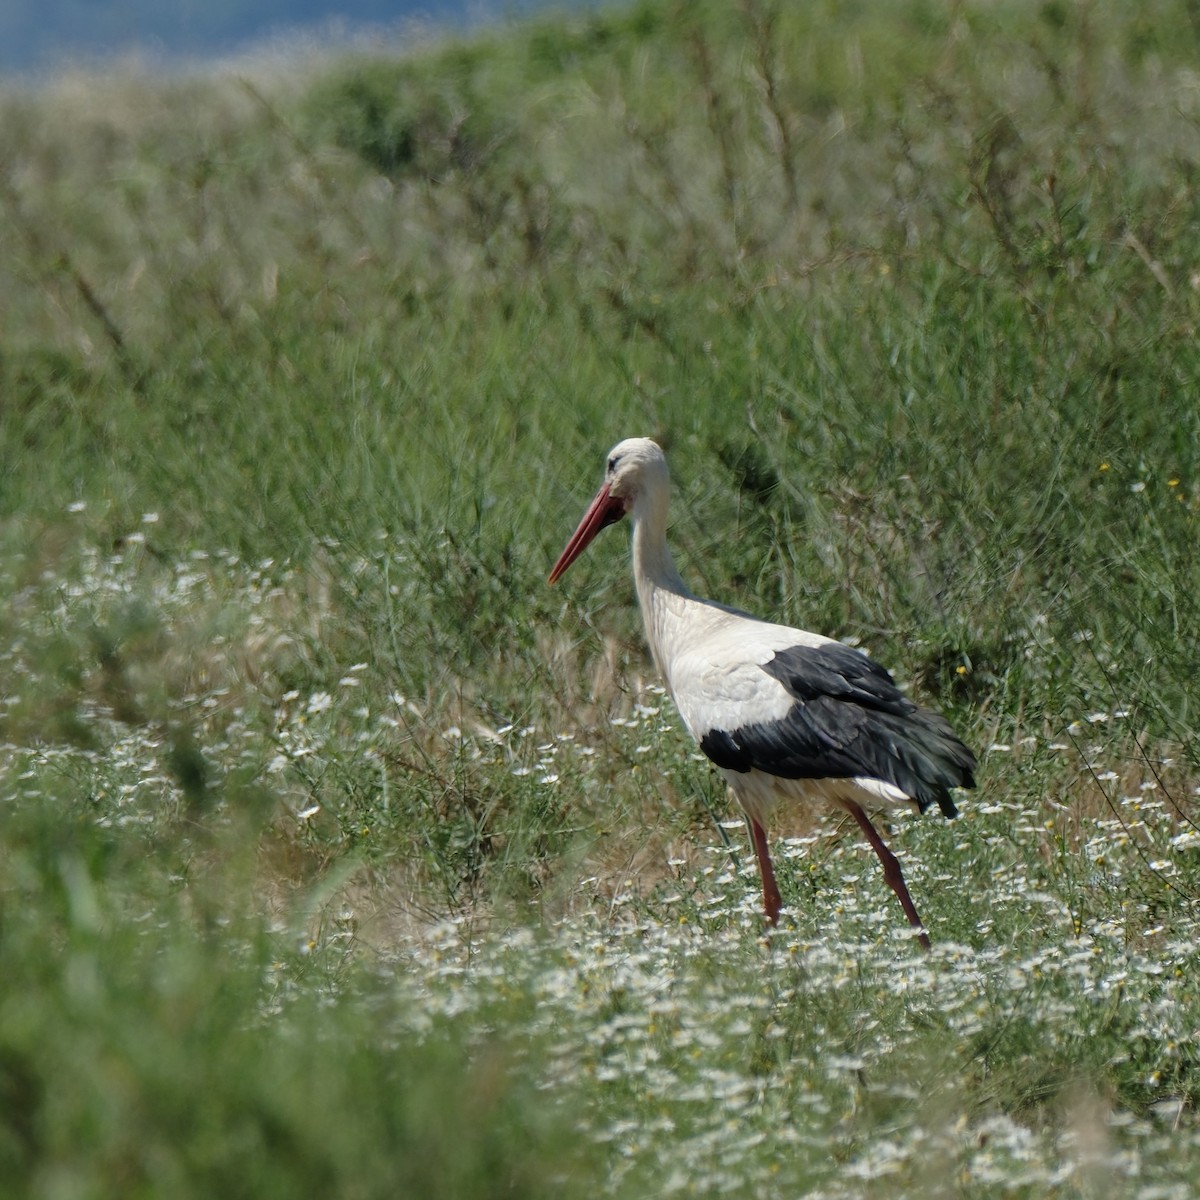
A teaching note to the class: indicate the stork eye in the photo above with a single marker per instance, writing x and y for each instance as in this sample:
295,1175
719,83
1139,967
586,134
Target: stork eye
612,463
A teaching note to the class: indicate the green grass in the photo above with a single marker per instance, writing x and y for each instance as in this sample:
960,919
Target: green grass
338,853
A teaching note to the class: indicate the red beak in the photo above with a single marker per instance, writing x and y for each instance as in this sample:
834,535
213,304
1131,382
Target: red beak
602,511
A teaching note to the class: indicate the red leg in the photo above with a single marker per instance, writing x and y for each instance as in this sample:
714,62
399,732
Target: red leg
891,869
772,901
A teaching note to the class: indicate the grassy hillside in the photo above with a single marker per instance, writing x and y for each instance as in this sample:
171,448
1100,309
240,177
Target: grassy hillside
337,847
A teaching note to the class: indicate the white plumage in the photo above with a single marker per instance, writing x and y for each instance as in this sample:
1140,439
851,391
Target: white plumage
785,715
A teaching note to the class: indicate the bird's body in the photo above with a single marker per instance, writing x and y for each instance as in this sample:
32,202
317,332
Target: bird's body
785,715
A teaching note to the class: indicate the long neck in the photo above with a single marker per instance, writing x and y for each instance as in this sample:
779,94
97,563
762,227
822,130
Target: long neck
661,591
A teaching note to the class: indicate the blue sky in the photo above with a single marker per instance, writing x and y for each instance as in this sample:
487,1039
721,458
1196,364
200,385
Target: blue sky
40,34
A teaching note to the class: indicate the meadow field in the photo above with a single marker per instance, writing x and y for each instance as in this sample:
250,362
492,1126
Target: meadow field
339,856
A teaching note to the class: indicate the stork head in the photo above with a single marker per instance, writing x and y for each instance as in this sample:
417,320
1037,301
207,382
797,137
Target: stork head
636,474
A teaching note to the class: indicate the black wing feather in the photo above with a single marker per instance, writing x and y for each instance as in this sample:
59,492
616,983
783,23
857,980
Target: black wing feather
849,719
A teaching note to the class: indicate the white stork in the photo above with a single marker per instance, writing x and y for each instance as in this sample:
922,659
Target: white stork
784,714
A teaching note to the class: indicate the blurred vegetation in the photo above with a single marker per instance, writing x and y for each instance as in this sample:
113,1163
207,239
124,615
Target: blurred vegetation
306,376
